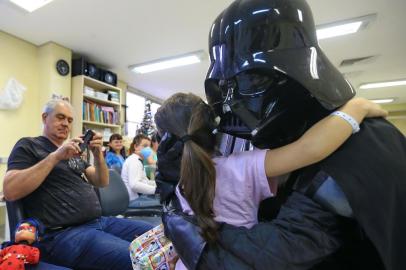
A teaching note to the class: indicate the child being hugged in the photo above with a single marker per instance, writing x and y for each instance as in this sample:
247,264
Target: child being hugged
230,189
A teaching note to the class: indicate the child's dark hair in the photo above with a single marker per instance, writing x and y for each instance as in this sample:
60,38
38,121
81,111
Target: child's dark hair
155,138
137,141
117,136
186,114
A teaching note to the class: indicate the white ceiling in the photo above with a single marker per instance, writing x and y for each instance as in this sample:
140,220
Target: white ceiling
120,33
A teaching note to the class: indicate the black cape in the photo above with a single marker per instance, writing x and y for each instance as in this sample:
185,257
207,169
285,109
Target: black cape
371,169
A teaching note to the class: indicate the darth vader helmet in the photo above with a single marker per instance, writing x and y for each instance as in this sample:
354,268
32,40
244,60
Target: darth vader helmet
268,75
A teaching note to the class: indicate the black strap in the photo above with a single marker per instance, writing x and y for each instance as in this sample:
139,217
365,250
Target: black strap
318,180
142,162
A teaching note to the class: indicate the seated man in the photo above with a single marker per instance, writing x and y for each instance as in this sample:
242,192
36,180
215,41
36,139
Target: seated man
57,188
140,189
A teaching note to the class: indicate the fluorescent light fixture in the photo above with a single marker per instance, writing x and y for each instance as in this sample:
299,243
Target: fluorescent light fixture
165,63
382,84
384,100
339,30
31,5
343,27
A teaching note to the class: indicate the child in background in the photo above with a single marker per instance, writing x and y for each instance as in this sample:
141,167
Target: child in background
150,157
134,177
116,154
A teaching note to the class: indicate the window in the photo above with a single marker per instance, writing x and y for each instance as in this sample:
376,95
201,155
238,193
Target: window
134,112
154,108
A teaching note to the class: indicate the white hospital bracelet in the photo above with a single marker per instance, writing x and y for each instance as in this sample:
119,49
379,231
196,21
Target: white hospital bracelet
354,124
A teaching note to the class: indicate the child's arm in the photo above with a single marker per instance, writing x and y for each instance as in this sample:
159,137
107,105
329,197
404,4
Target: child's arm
320,140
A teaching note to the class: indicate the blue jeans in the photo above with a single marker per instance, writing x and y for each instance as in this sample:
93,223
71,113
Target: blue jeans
144,201
99,244
44,266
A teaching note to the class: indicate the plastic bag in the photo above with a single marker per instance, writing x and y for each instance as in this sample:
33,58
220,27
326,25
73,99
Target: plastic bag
12,95
153,251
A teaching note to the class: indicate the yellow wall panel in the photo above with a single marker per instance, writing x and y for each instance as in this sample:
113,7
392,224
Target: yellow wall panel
35,68
18,59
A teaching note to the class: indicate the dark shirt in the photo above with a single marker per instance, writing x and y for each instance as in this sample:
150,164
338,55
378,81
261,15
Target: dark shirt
64,198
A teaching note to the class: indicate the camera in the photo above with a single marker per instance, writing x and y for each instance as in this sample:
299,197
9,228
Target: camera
86,139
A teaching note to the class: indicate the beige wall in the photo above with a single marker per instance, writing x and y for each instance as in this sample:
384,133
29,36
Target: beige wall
400,124
123,86
34,67
50,82
18,59
397,116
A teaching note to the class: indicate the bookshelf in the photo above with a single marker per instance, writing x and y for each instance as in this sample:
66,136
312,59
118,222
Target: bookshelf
97,106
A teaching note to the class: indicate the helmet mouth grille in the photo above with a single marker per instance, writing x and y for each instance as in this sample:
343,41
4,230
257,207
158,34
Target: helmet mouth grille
233,125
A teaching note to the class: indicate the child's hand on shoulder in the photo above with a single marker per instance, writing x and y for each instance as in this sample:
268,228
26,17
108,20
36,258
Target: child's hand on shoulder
371,109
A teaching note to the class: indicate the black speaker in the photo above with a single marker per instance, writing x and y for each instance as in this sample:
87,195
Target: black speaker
93,71
81,67
108,77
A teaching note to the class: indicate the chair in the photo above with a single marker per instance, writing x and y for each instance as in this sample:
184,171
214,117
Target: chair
15,213
114,200
155,210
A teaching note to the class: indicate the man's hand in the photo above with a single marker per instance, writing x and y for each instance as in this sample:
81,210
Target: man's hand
98,175
68,150
96,144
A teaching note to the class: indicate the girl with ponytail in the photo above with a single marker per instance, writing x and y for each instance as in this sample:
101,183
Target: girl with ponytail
230,189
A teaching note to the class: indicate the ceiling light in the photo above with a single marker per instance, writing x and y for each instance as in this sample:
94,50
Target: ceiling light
382,84
31,5
165,63
343,27
384,100
339,30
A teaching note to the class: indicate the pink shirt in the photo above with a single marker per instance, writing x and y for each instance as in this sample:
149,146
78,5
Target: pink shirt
241,184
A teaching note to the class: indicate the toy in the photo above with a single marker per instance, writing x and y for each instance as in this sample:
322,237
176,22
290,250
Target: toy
19,253
153,251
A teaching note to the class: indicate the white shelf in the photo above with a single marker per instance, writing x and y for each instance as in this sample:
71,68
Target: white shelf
78,97
98,85
85,122
101,101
